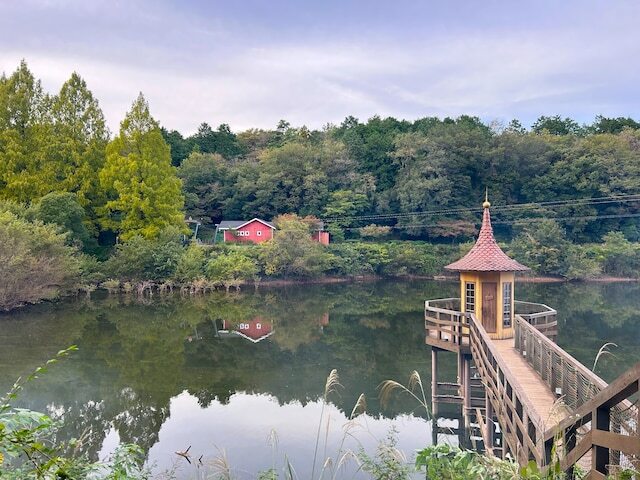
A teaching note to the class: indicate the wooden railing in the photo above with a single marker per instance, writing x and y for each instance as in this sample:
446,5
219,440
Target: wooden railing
522,428
445,326
541,316
577,387
598,417
564,375
593,428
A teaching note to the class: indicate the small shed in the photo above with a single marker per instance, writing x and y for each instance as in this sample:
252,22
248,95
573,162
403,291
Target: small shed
255,230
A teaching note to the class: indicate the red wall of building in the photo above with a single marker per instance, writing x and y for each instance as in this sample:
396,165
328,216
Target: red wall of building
321,237
266,233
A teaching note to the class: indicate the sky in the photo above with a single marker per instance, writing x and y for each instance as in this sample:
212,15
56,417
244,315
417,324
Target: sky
250,63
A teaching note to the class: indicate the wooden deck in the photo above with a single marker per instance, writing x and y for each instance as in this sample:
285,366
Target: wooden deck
548,406
545,403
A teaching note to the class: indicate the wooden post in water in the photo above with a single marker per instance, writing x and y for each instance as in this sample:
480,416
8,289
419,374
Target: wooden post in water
434,380
466,375
460,374
489,422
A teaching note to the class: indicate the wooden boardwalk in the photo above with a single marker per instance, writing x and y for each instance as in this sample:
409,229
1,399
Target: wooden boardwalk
545,403
548,406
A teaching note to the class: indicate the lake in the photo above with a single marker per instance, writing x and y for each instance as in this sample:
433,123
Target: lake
222,372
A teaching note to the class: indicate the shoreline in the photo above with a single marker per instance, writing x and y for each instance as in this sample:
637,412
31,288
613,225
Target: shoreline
437,278
281,282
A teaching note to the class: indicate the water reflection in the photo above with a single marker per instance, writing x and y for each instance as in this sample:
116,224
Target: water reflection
254,330
224,369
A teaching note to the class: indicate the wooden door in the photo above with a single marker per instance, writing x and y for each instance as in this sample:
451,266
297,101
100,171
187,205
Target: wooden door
489,304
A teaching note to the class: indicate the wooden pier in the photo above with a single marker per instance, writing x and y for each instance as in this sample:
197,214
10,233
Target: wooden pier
530,399
536,393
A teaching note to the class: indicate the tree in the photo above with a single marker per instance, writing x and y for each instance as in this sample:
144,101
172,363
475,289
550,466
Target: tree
180,147
64,210
424,182
25,131
144,192
141,258
620,256
77,150
374,231
221,141
292,252
556,125
543,247
345,203
290,180
515,127
206,185
613,125
190,264
372,145
227,143
231,268
35,262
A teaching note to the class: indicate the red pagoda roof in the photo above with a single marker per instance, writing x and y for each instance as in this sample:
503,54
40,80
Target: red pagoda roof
486,255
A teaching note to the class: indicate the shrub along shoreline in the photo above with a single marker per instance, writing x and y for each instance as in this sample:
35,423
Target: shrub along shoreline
39,263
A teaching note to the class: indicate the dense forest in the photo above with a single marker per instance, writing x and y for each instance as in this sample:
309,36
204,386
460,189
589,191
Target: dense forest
69,185
396,173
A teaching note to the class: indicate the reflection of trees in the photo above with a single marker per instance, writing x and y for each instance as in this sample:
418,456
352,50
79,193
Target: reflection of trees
135,357
591,314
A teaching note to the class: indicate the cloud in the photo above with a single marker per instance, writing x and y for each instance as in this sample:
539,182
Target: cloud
194,69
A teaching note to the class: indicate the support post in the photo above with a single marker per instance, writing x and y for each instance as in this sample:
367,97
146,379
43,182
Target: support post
460,373
601,420
525,446
466,374
434,380
489,428
570,440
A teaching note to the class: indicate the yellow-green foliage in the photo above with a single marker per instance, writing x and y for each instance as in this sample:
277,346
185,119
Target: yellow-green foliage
144,192
292,252
49,143
232,266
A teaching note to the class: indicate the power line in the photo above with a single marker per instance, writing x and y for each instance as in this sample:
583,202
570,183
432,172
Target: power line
504,208
522,220
516,206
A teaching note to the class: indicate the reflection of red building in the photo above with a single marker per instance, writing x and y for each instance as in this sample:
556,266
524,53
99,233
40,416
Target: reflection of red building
254,330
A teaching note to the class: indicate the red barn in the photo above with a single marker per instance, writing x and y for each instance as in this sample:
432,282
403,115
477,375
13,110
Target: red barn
255,230
254,330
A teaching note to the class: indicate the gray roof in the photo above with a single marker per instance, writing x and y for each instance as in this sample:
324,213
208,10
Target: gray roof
233,224
230,224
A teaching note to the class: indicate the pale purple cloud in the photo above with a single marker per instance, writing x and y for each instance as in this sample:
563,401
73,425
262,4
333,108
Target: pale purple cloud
251,63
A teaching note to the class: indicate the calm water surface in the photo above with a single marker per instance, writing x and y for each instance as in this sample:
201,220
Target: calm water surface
222,372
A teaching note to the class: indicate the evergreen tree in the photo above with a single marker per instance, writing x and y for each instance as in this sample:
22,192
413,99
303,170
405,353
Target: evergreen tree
144,192
180,148
77,149
25,131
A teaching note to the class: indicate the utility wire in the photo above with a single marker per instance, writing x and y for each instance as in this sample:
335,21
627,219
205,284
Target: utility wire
519,221
499,208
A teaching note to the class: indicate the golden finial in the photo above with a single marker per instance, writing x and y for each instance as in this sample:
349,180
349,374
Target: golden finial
486,203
